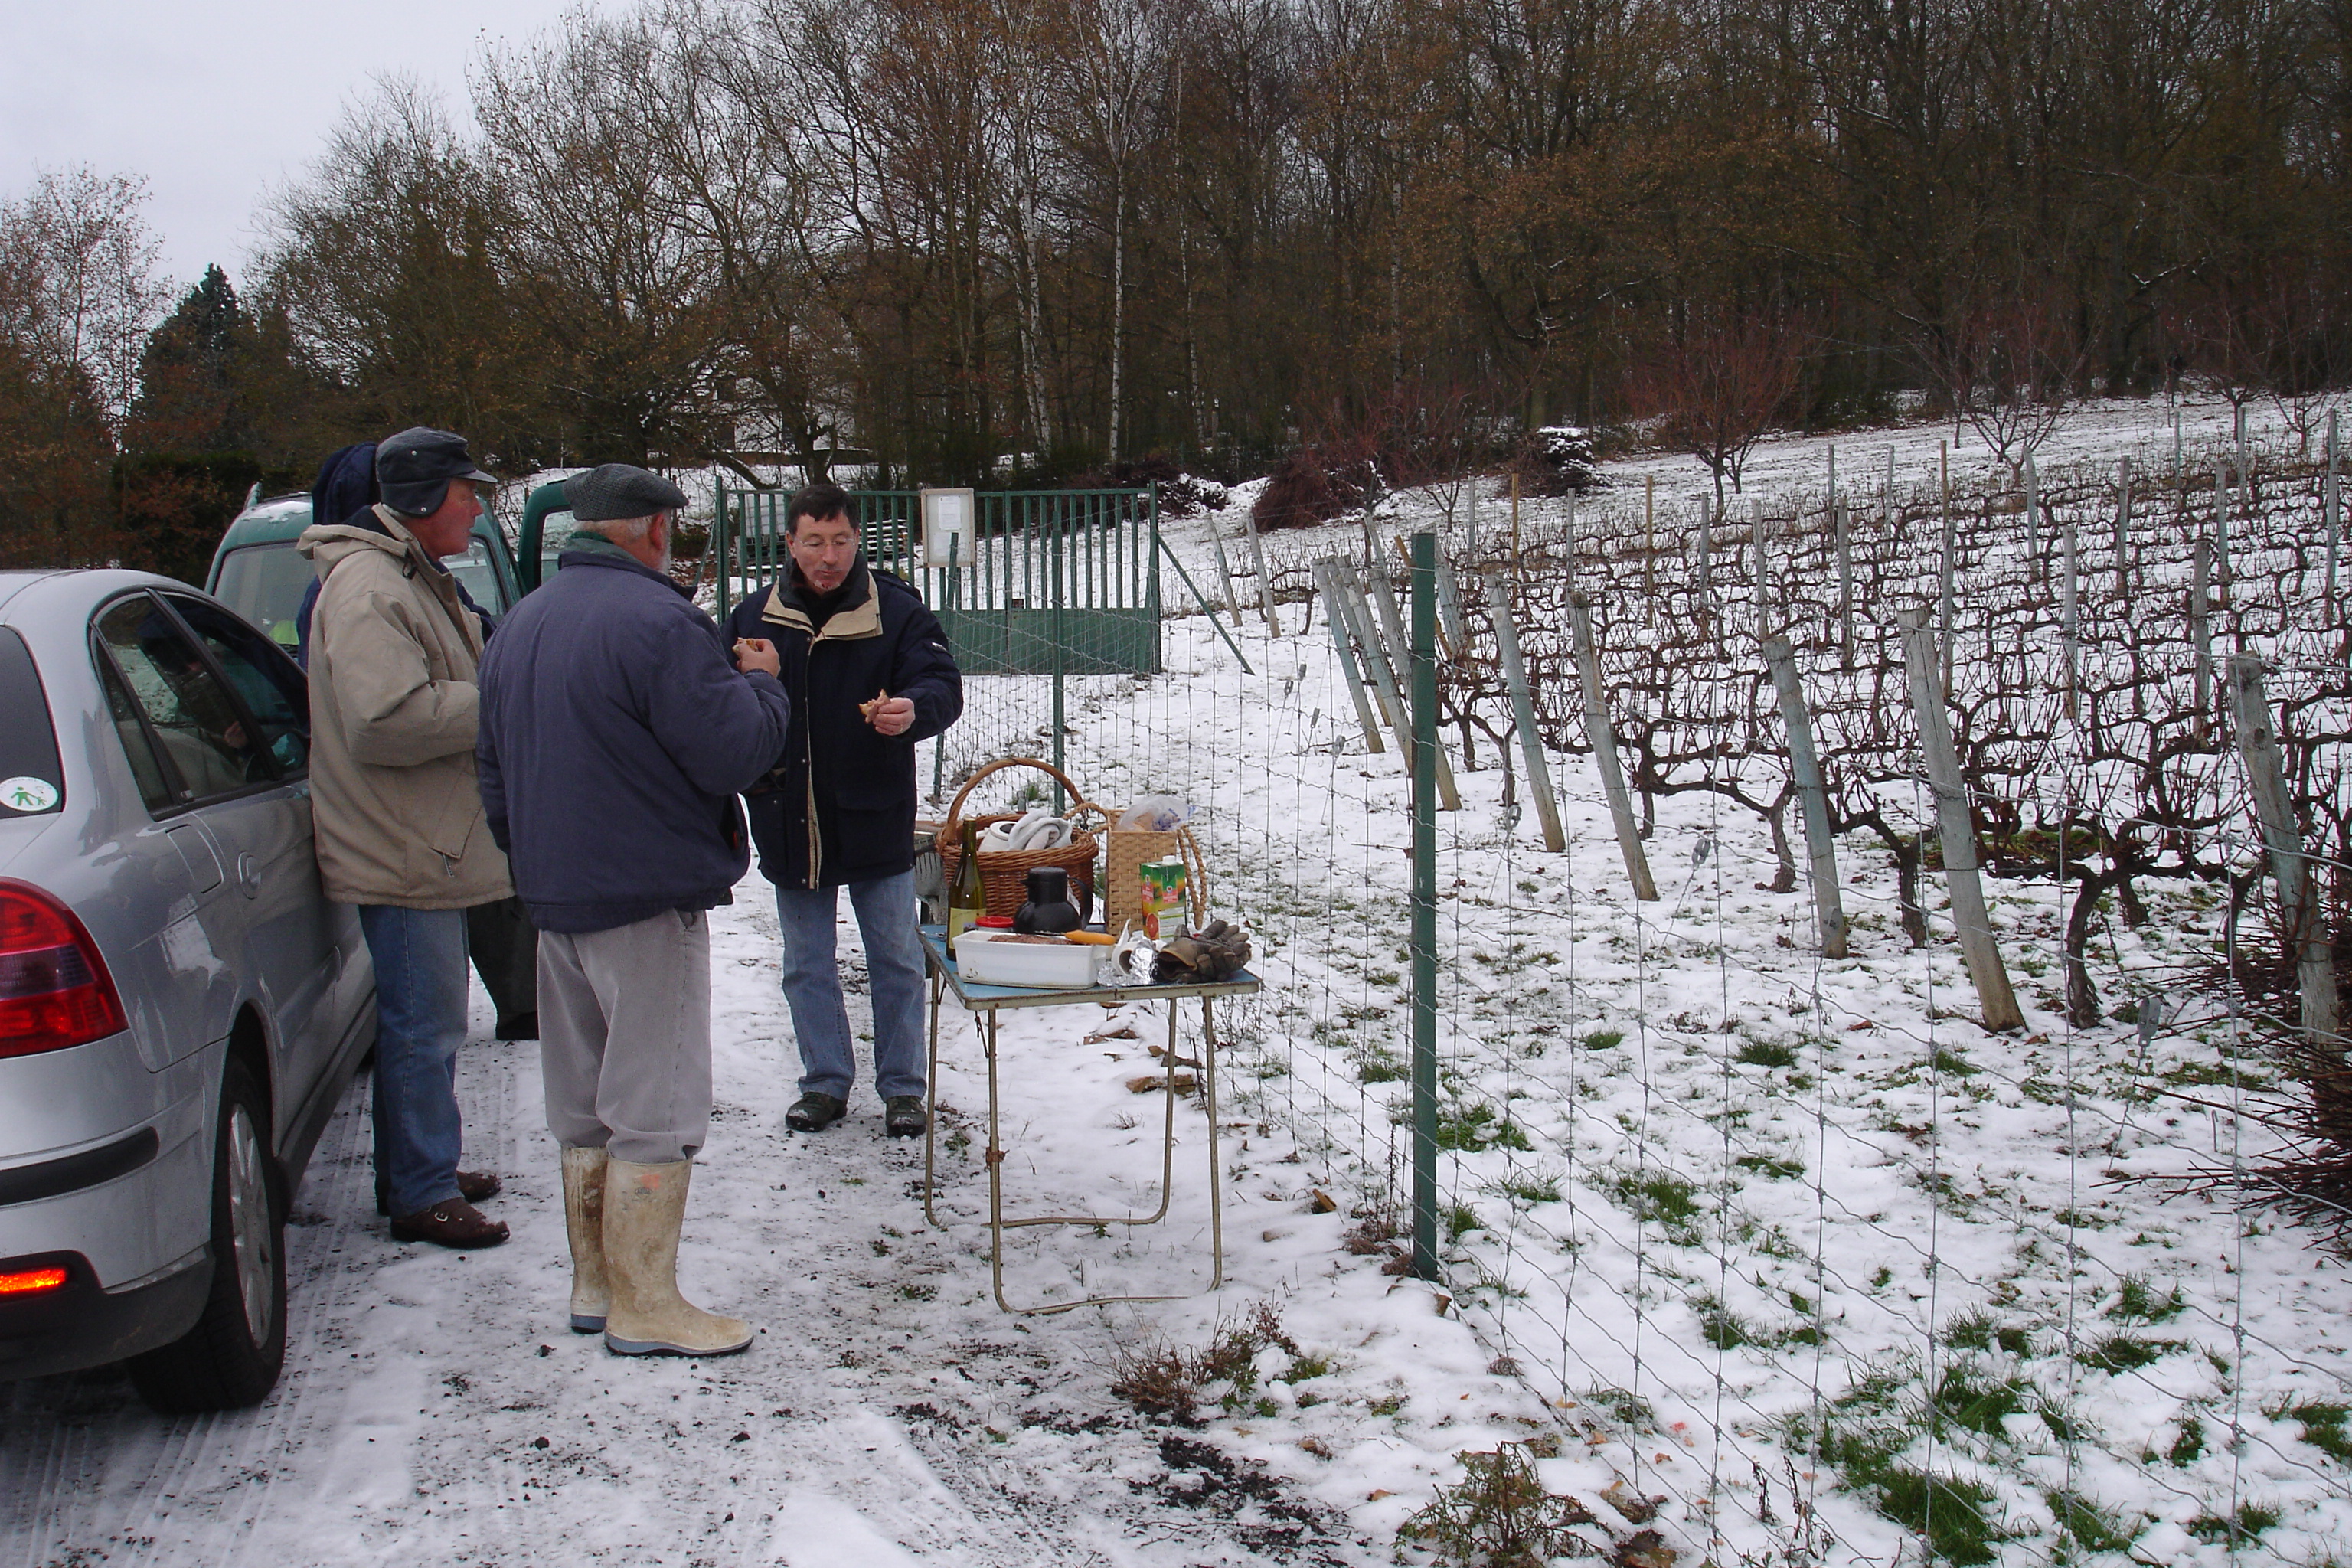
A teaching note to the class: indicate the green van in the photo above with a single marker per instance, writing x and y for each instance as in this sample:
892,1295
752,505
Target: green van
257,572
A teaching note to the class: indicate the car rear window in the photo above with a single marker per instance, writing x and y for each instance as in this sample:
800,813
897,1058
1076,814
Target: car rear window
30,780
264,582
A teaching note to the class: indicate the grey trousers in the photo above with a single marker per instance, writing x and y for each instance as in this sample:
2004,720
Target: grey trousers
624,1037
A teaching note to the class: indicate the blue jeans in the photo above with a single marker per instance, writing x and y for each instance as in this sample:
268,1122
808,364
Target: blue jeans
894,963
420,1021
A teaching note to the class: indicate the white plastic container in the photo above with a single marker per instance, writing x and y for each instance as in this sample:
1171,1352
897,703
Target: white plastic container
985,958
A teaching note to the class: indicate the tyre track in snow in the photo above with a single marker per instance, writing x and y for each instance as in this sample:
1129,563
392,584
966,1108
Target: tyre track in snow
436,1408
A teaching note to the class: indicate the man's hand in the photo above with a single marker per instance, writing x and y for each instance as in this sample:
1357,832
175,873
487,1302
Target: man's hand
895,716
757,652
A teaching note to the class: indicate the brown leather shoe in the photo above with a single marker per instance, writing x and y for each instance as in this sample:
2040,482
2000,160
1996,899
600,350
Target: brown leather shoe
474,1186
454,1224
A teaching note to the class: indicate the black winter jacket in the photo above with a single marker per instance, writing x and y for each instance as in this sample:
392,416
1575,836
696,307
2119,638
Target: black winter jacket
838,805
616,733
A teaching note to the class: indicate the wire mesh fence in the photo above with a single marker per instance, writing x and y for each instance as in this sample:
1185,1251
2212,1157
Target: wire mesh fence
1808,1264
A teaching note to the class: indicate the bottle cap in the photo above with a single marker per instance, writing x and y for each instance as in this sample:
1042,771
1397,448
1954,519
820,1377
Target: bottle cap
995,923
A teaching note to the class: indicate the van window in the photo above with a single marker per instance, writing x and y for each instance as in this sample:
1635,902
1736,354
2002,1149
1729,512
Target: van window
30,781
265,582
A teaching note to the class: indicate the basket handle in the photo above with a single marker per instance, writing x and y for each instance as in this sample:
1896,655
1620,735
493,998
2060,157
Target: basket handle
955,807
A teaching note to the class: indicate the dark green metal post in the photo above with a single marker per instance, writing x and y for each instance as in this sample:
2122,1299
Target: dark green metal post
1059,542
1424,905
719,542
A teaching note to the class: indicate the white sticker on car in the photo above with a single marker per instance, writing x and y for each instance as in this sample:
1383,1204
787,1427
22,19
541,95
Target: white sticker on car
24,792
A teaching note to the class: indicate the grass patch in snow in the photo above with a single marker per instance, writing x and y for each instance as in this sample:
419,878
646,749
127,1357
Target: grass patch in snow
2137,1303
1767,1054
1604,1039
2123,1353
1470,1128
2237,1529
1764,1165
1530,1187
2322,1426
1663,1198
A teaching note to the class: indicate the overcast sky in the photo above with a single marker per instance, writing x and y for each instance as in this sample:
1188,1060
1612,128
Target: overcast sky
216,104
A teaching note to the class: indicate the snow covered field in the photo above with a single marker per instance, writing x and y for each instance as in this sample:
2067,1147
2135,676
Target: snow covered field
1769,1258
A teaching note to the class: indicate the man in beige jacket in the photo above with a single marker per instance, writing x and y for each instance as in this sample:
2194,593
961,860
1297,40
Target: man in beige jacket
394,704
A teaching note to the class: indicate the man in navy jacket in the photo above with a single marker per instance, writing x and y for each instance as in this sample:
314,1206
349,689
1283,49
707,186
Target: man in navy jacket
615,732
869,674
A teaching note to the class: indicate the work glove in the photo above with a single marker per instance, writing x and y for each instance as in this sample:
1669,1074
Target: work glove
1218,953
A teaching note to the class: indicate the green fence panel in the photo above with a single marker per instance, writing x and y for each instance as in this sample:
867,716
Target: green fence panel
1061,582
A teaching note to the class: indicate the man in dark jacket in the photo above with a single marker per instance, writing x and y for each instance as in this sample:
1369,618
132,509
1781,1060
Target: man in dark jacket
614,735
870,674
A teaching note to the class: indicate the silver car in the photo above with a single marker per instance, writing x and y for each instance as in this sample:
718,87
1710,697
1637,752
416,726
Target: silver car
180,1005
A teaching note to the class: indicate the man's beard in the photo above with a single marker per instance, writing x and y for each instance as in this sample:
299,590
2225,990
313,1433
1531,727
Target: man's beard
664,567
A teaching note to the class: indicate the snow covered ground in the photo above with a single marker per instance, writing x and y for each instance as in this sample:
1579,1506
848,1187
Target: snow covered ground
1782,1260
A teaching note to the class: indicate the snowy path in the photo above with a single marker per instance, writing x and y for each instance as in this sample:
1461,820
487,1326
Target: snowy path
434,1408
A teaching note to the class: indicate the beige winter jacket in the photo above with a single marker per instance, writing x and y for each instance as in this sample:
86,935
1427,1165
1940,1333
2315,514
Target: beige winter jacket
393,711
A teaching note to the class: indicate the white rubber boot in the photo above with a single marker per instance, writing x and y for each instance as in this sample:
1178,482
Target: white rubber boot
644,1207
583,1221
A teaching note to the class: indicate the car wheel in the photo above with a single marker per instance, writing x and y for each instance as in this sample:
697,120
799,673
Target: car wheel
231,1358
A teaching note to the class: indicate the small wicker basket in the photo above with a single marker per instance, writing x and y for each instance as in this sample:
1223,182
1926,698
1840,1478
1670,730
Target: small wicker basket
1004,873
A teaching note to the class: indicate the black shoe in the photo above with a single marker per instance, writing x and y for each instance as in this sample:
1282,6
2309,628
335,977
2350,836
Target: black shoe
522,1026
474,1186
903,1116
814,1112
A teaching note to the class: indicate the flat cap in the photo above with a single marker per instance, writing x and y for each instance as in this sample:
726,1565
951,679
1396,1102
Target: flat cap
620,490
412,469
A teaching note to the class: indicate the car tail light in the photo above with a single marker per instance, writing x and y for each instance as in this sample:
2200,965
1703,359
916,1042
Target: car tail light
31,1282
55,990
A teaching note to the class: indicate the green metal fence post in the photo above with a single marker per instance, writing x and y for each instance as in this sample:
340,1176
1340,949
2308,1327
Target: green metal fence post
718,542
1059,542
1424,905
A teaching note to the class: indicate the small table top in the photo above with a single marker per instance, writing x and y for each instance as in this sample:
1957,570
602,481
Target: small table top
974,997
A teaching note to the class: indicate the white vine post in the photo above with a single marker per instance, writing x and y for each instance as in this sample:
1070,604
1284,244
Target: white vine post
1335,616
1602,736
1955,829
2290,864
1805,768
1523,712
1225,572
1264,578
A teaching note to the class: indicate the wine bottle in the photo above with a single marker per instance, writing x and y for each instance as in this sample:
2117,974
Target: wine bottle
967,901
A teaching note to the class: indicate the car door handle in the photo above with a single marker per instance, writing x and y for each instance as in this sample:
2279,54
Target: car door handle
248,874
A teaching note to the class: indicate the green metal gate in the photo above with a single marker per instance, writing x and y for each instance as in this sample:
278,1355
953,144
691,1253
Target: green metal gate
1060,582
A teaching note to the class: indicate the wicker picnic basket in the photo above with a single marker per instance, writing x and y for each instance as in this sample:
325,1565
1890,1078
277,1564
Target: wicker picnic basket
1004,873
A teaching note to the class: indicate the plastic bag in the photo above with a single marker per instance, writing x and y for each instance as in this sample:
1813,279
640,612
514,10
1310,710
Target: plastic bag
1155,813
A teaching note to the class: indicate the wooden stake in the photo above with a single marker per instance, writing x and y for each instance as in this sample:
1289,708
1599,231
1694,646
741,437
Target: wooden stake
1763,572
2201,636
1515,520
2123,530
1951,566
2066,622
2330,502
2306,932
1845,584
2035,568
1650,541
1805,768
1523,712
1956,829
1603,739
